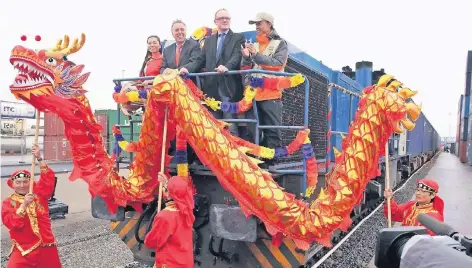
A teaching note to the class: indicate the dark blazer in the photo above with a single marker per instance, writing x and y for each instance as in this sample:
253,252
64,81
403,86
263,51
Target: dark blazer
190,50
221,85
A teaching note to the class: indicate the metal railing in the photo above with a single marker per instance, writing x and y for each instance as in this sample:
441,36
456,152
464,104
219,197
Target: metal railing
248,121
392,140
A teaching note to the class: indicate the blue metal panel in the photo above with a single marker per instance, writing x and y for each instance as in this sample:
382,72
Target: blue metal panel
364,73
346,82
427,136
415,137
465,116
354,106
343,108
468,74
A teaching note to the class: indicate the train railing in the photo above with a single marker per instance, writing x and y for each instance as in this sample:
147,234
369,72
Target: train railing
333,97
247,121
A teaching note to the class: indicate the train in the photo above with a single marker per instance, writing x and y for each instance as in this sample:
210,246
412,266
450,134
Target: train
220,243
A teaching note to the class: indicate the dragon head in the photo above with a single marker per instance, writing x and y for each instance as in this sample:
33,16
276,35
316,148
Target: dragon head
394,101
47,72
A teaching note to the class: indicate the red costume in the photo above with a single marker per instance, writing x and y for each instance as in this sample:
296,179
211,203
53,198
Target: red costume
408,213
33,243
153,65
171,234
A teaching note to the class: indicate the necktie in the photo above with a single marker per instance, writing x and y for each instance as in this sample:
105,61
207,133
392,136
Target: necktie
219,47
177,55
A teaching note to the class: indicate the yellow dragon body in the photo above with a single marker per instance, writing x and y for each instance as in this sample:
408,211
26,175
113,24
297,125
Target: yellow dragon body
382,108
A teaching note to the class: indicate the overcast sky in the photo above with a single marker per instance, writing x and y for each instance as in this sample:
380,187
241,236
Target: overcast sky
422,43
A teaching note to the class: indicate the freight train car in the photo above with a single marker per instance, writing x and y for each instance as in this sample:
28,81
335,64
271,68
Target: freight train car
245,243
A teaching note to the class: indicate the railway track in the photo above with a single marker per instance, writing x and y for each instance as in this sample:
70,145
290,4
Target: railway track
87,242
356,248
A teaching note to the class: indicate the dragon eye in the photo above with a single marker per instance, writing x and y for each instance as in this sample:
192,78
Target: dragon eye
51,61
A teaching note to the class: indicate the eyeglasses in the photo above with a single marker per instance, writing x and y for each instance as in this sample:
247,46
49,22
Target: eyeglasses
223,18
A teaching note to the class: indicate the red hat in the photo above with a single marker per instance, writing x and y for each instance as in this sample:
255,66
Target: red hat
433,187
428,185
18,174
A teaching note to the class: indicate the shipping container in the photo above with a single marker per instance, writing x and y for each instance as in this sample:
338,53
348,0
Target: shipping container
53,125
402,142
465,118
112,119
427,136
415,137
463,151
57,148
468,74
469,152
459,110
102,119
435,142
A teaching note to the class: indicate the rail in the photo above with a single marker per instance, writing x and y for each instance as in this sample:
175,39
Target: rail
250,121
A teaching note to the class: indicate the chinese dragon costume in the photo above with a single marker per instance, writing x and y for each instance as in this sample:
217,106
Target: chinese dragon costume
51,83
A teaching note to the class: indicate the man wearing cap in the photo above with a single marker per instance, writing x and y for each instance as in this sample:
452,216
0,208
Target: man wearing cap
269,53
26,215
427,201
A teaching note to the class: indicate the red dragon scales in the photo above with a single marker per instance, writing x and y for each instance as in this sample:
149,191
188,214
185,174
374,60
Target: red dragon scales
51,83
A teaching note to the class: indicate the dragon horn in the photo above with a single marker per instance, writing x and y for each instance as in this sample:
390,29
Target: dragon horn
397,128
407,124
407,93
394,85
413,110
63,47
384,79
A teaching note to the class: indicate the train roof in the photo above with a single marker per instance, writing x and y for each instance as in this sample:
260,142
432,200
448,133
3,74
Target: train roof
315,65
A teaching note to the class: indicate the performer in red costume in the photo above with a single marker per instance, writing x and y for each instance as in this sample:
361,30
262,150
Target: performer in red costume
427,202
26,215
171,234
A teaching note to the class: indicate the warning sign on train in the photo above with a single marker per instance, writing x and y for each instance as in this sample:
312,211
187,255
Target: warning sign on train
17,110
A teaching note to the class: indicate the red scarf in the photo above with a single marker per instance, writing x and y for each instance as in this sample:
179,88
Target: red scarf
180,191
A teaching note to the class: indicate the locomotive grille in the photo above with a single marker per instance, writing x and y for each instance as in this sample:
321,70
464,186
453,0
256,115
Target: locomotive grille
293,100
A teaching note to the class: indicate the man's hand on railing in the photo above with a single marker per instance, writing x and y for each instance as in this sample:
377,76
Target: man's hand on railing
221,69
183,71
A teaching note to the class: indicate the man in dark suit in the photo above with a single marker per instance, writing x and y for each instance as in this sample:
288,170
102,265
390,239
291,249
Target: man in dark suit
221,53
176,55
182,51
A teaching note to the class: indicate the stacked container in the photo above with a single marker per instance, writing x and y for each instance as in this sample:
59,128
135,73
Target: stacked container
56,145
468,103
465,143
108,118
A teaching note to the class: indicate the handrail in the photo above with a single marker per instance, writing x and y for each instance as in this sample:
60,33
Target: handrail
210,74
254,121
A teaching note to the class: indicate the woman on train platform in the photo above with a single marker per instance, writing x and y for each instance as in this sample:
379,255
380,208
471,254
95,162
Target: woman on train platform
152,61
426,201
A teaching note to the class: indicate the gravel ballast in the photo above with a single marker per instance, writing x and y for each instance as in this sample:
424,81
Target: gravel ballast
90,243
